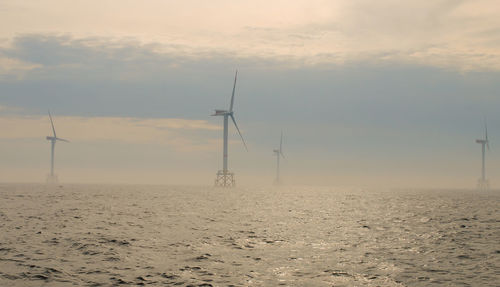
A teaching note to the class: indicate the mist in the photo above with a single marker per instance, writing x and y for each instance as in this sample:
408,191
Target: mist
357,124
354,110
249,143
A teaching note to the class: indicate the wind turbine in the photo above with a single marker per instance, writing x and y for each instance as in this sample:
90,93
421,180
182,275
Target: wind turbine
278,153
483,183
224,177
52,178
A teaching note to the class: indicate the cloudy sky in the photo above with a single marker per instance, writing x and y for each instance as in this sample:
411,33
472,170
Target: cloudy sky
367,93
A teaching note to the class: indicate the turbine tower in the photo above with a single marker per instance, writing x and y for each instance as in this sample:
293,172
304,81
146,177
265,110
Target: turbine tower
482,183
278,153
52,178
225,178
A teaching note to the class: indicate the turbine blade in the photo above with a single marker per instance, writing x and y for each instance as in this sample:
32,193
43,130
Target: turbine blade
64,140
52,123
281,141
486,135
281,145
234,88
485,131
234,121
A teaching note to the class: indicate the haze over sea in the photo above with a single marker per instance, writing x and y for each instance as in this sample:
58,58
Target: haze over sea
104,235
370,94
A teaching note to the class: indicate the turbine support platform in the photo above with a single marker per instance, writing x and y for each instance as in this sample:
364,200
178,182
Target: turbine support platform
225,179
52,179
483,184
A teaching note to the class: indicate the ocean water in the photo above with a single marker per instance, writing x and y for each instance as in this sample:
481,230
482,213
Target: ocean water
106,235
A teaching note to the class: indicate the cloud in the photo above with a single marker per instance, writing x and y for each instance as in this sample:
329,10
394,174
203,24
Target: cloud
11,110
453,34
15,68
140,104
101,77
179,134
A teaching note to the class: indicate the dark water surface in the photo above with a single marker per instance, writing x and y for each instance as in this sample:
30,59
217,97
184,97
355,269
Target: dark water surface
97,235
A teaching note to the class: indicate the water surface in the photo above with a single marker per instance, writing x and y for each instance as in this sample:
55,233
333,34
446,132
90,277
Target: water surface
105,235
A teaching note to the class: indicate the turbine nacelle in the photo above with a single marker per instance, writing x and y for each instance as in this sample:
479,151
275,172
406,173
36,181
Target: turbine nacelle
49,138
222,113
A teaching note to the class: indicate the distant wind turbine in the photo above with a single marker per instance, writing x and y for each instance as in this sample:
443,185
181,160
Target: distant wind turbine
52,178
483,183
278,153
224,177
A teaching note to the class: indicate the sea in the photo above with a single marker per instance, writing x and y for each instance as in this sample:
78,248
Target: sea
137,235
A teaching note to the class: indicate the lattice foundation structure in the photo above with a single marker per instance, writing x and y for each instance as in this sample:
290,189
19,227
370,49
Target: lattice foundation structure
225,179
52,179
483,184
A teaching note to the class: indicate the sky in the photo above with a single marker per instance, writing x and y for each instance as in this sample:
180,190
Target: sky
367,93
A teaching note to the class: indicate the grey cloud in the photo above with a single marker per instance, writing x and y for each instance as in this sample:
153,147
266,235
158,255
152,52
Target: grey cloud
95,77
383,115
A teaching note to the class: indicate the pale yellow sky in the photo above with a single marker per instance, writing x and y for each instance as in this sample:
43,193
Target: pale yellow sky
170,132
365,90
463,35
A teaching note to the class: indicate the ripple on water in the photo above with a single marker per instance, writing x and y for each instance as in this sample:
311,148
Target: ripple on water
182,236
